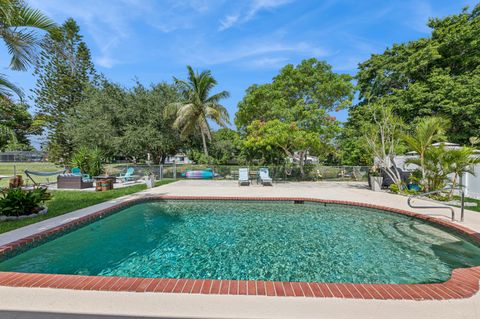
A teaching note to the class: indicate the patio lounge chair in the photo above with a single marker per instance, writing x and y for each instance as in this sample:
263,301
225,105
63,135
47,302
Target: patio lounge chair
243,179
128,175
264,177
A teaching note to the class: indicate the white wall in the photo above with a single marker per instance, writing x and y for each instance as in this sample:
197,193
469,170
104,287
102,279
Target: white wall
472,183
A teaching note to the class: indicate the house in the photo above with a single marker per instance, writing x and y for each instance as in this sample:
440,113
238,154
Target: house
179,158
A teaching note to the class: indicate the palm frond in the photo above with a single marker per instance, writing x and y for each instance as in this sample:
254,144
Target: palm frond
7,88
32,18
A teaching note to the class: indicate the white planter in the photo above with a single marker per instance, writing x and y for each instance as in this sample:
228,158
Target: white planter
150,181
5,218
376,183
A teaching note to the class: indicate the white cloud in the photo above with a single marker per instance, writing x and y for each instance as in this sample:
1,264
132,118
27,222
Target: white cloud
250,11
228,21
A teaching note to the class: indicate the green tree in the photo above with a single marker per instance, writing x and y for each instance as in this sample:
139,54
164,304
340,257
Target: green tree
198,106
64,72
277,137
434,76
148,126
99,120
304,95
16,124
226,146
18,25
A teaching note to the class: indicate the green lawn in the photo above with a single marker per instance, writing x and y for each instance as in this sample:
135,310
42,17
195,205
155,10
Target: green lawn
64,202
471,200
8,169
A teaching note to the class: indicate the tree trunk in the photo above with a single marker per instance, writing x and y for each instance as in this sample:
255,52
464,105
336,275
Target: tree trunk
204,141
302,161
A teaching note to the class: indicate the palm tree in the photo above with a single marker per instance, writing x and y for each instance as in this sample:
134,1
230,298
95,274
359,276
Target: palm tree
17,30
429,130
197,107
460,161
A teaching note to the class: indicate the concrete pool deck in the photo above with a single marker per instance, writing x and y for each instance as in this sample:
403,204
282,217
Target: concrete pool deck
47,300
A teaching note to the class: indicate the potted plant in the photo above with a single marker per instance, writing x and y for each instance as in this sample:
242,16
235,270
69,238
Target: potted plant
376,179
149,178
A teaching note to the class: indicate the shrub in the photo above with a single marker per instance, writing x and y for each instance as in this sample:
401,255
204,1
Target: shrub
394,188
90,161
17,202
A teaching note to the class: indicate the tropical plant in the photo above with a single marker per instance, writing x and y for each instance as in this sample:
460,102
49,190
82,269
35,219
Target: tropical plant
198,106
428,130
89,160
460,161
17,29
17,202
435,166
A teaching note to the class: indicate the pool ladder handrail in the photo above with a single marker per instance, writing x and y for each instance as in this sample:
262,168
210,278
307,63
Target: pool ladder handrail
462,209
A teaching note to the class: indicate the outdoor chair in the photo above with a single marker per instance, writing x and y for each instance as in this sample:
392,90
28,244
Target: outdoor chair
128,175
264,177
243,179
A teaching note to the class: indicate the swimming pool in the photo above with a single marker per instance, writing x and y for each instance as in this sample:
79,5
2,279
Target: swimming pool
254,240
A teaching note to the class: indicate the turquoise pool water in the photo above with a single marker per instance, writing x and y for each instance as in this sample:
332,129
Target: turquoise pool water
254,240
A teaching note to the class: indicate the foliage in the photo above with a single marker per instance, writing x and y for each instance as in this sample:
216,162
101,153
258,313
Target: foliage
427,131
197,105
435,167
225,147
18,202
439,75
64,72
18,25
299,96
460,161
16,123
89,160
129,123
282,139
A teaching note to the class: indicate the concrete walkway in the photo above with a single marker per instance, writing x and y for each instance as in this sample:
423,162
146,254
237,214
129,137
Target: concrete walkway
57,303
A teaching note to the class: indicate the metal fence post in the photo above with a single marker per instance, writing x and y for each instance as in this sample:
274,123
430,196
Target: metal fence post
174,170
160,172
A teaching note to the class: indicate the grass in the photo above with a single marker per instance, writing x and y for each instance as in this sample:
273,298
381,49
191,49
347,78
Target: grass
64,202
8,170
471,200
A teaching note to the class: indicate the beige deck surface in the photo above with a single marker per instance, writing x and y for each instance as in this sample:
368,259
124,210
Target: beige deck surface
56,303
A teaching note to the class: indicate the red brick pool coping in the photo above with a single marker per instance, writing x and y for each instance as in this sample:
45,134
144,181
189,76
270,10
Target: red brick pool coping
463,283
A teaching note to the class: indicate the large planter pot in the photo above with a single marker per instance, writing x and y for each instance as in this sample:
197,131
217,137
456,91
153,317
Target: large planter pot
150,181
376,183
44,210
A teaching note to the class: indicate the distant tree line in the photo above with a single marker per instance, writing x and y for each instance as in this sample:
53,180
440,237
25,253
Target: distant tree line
288,117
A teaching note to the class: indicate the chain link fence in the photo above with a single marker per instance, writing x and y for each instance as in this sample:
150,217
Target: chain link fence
311,172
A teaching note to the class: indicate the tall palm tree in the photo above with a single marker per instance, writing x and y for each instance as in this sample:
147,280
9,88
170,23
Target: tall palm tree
429,130
18,25
197,107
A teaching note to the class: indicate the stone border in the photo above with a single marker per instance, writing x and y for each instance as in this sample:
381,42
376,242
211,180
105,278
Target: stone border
463,283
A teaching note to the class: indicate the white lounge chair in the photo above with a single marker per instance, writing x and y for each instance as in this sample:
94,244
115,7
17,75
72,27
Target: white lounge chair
264,177
243,179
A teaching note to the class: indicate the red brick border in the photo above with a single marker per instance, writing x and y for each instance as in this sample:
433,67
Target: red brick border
463,283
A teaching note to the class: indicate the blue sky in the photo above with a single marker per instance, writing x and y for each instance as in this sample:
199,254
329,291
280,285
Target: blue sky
242,42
